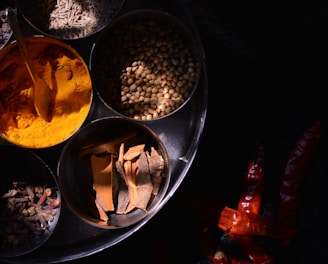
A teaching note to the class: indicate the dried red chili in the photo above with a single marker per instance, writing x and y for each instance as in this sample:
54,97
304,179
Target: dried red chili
251,197
236,222
295,168
250,202
252,249
246,223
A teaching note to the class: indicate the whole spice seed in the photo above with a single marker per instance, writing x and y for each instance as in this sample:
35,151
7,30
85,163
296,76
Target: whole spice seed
5,29
150,74
24,216
68,19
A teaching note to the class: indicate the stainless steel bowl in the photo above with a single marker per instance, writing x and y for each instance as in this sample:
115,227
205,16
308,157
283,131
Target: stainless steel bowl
104,189
26,222
145,65
68,20
5,29
63,68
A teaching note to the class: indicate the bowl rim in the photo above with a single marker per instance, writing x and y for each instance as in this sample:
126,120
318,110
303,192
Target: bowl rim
90,129
156,14
120,4
38,241
10,36
51,40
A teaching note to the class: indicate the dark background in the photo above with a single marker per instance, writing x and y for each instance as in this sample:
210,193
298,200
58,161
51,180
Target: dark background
267,69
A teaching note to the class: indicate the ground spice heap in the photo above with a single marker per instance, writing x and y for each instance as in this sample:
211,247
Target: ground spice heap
71,91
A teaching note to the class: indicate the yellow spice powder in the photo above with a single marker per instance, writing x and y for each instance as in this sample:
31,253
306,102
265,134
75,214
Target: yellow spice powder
71,92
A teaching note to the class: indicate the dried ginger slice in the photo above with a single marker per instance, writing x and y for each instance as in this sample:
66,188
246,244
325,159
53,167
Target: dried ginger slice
144,183
102,182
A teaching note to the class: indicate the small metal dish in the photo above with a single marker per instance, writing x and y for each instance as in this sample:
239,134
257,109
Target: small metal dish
69,20
145,65
5,29
104,189
26,220
68,77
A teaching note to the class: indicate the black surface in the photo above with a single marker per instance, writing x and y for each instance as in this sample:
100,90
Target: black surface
267,69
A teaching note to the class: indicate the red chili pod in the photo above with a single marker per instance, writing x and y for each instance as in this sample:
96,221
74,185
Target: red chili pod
299,158
250,202
236,222
252,194
252,249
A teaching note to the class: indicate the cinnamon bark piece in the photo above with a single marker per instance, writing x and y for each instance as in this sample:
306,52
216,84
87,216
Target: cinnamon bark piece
115,180
156,167
131,183
102,182
111,146
144,183
134,151
102,211
123,195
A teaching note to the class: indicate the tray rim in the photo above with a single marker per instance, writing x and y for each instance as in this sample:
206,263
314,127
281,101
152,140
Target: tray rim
187,159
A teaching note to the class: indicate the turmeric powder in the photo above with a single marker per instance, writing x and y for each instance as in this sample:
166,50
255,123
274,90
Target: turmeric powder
71,90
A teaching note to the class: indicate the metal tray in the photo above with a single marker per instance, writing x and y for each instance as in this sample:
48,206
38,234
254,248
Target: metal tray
181,133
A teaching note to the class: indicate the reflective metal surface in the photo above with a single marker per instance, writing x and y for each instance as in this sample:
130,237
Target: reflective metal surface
180,134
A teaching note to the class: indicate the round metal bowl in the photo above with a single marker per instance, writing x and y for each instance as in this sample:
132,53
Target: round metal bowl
70,84
145,65
105,187
68,20
26,222
5,29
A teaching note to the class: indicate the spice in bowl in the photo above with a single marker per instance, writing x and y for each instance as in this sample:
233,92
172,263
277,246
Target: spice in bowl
70,89
30,202
113,172
145,64
66,19
5,29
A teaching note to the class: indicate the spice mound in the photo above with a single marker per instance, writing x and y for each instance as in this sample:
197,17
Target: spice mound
26,214
154,70
67,19
71,92
5,29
